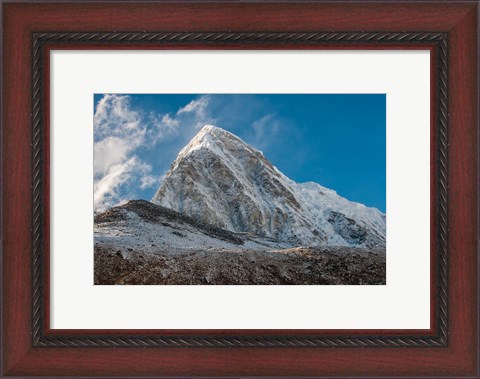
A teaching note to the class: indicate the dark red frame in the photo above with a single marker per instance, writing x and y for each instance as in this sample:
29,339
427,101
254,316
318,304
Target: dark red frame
458,359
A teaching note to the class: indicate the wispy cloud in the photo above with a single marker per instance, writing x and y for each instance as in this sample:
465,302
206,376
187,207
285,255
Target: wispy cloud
148,181
197,106
119,131
107,187
196,113
264,129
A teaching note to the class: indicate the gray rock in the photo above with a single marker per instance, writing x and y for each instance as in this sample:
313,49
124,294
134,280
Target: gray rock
220,180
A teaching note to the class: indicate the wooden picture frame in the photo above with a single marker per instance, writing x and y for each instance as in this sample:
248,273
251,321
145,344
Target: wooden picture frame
448,348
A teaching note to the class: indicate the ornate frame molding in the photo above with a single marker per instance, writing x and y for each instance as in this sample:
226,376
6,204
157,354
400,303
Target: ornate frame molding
39,41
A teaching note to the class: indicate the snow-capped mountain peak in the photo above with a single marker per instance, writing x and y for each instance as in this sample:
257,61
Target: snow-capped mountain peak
219,179
211,138
208,137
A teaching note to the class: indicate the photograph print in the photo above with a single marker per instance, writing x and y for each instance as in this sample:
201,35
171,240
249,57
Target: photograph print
225,189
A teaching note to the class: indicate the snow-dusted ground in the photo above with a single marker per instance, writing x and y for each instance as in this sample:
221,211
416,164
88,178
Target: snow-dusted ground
157,228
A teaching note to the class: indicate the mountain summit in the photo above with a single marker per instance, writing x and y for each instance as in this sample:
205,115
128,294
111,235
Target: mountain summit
219,179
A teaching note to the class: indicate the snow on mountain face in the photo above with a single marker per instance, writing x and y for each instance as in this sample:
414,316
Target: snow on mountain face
219,179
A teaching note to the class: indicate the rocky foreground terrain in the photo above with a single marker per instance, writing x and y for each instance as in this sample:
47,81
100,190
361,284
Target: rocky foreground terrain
143,243
340,265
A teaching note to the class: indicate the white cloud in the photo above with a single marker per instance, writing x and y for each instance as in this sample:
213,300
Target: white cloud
108,152
264,129
119,131
106,189
196,113
114,117
197,106
148,181
162,127
169,122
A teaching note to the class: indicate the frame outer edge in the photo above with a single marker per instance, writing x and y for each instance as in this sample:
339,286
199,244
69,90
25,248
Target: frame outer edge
39,39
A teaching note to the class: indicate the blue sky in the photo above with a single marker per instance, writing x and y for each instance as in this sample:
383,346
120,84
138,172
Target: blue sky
335,140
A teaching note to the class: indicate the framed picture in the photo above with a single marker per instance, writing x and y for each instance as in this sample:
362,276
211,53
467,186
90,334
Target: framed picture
218,211
240,189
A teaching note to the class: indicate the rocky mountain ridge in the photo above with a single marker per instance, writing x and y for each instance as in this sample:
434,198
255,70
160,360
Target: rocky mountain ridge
219,179
141,225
